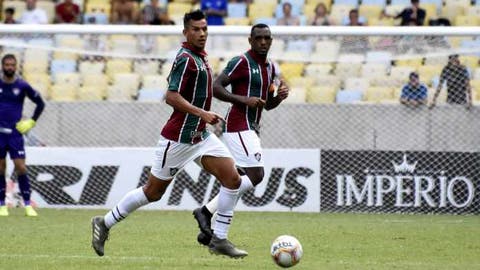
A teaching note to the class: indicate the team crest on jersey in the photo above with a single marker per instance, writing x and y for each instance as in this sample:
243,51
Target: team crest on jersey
16,91
1,90
258,156
173,171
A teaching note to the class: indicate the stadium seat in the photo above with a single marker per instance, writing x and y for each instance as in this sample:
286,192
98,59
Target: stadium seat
237,21
146,67
265,20
158,82
150,95
291,70
98,7
40,82
176,9
428,73
330,80
471,61
115,66
63,92
452,11
237,10
379,57
95,18
436,60
296,10
473,10
349,96
370,70
49,7
36,56
99,80
67,78
410,61
303,82
118,93
18,5
261,10
346,70
381,3
347,2
321,95
91,93
357,83
130,81
318,69
378,94
327,50
340,11
35,67
62,66
123,44
370,11
403,3
401,73
476,74
90,67
297,95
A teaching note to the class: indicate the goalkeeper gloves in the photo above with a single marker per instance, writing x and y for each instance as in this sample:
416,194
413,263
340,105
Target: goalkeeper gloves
24,126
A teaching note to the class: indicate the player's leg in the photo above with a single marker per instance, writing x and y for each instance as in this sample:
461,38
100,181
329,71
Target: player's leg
158,181
3,185
247,152
223,168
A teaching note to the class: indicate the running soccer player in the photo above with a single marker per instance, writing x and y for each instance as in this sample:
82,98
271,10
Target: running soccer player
184,139
13,91
251,77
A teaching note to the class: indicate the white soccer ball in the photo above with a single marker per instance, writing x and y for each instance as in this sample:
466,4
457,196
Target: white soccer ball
286,251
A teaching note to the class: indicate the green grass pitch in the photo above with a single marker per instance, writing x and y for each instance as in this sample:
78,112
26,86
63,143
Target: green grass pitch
60,239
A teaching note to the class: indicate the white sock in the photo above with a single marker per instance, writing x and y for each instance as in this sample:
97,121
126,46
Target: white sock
226,202
129,203
245,185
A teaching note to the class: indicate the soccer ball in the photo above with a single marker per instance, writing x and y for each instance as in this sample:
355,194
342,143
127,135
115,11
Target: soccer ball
286,251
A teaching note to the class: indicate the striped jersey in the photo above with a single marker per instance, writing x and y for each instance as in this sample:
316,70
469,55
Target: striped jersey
250,75
191,77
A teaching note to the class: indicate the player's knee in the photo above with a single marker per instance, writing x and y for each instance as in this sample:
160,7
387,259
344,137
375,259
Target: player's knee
256,176
152,195
21,170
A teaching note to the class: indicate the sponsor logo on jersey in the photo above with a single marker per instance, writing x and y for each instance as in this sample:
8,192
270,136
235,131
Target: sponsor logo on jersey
16,91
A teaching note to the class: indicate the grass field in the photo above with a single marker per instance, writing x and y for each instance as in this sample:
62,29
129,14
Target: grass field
60,239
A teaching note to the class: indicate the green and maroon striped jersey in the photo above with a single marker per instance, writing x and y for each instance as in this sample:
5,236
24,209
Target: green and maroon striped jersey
250,75
191,76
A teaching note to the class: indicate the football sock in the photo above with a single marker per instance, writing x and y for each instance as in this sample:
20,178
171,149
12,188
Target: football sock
245,185
226,202
24,186
129,203
3,187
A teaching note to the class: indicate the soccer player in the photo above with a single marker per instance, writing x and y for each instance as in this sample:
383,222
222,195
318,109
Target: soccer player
251,77
13,91
184,139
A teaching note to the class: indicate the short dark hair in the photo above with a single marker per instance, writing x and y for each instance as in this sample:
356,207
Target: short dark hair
10,10
413,75
415,1
8,56
452,56
195,15
258,25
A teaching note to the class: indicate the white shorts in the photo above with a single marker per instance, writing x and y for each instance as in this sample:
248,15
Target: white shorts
245,148
171,156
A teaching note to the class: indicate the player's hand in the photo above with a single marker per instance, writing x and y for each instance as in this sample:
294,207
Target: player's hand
432,105
211,117
254,102
282,91
24,126
468,106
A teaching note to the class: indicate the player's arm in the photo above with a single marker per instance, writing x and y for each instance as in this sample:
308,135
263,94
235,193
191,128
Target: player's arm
439,87
223,94
24,126
282,94
174,99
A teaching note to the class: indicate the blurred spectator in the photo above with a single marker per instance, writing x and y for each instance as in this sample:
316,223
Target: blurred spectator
124,12
215,10
458,83
414,93
33,15
354,18
321,16
288,18
67,12
409,14
154,14
9,14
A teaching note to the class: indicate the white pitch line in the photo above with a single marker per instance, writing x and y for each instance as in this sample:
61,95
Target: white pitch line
77,257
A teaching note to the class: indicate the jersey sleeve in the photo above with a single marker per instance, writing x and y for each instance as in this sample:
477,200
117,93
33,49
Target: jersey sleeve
233,69
178,77
404,92
36,98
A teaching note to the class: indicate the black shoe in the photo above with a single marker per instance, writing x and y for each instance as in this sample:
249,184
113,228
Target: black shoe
203,218
225,247
99,235
203,239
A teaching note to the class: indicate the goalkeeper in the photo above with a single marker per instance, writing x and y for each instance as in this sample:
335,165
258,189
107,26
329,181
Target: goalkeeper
13,91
